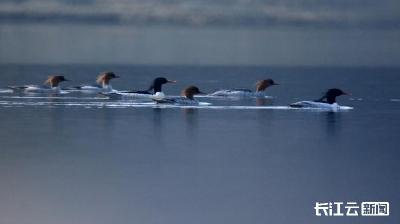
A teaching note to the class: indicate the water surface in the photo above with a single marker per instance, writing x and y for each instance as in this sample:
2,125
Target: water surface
91,163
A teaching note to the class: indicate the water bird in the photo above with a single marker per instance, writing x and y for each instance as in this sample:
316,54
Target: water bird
154,91
51,85
186,98
327,101
260,85
102,84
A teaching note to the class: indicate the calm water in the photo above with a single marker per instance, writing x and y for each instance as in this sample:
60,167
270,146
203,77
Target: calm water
93,163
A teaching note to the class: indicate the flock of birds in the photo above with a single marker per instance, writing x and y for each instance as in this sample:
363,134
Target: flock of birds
155,93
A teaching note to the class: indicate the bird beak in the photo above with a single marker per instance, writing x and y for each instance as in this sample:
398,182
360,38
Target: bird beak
348,94
202,93
116,77
276,84
171,81
67,80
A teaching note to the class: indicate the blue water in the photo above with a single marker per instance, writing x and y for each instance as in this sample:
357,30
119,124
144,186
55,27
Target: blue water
75,159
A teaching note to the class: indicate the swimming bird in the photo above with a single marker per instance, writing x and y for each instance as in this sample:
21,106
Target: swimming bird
186,98
102,84
327,101
51,85
156,87
261,86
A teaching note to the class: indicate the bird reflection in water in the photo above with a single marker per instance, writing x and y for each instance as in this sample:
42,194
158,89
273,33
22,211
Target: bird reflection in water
263,101
191,116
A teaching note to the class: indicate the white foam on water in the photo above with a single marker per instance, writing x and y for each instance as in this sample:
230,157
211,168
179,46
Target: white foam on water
54,97
233,97
395,100
204,104
355,99
342,108
130,104
6,91
312,105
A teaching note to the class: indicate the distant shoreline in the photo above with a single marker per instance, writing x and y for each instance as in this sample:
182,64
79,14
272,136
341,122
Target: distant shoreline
203,65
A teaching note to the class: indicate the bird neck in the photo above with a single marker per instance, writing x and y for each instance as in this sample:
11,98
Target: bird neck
189,96
157,87
331,99
53,83
105,82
